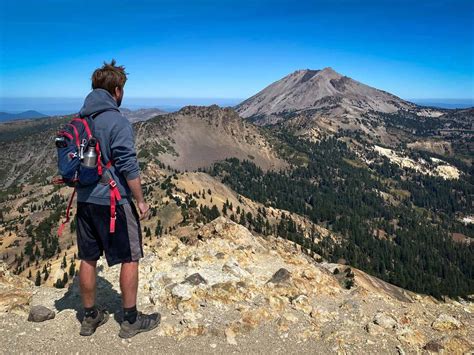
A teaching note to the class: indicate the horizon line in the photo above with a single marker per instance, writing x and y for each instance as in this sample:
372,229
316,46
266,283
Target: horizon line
207,97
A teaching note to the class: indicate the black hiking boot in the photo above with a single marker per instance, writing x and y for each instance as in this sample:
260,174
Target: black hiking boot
144,323
89,324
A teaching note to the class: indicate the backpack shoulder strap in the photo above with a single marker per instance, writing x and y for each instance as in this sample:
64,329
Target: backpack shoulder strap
84,122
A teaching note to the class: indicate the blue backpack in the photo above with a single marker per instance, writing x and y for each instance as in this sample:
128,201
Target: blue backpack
71,142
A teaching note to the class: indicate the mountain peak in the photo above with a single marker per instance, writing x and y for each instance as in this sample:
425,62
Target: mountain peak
313,72
309,89
328,70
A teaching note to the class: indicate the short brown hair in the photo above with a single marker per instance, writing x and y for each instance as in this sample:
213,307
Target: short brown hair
109,76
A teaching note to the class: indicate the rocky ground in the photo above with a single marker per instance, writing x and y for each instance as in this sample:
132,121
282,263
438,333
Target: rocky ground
221,289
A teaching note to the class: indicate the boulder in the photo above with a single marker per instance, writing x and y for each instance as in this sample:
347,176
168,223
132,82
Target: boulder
40,314
282,275
195,279
433,346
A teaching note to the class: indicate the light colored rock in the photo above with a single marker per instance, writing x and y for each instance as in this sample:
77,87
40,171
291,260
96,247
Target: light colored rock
309,306
15,292
232,267
230,336
374,329
385,320
446,322
301,303
411,336
183,292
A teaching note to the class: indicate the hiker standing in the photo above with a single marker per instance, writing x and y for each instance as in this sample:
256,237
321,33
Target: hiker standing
107,220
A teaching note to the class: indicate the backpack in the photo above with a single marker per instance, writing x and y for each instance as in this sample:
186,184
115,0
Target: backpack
71,142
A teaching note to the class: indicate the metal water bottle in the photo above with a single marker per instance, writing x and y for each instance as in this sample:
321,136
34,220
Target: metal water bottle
90,155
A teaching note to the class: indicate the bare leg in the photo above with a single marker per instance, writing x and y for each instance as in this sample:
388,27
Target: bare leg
87,282
129,283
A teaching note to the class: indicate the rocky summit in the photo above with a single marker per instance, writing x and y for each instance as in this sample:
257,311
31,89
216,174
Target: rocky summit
220,289
315,90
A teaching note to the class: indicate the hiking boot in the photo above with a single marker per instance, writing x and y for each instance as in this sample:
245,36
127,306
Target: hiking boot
89,324
144,323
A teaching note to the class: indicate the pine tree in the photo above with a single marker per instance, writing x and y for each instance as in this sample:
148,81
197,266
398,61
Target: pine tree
38,278
65,279
72,269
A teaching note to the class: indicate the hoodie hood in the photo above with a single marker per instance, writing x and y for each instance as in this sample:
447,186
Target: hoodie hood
98,100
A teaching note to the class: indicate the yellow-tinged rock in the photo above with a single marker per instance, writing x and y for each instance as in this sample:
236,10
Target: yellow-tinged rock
446,322
15,292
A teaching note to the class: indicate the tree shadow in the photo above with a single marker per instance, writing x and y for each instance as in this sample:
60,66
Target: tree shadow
106,296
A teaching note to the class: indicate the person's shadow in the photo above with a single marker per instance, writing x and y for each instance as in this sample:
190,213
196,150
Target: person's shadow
106,297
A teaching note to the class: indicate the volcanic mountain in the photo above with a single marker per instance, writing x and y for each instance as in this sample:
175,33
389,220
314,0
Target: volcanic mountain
318,90
315,103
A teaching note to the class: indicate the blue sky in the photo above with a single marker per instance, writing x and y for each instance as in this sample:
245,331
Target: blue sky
232,49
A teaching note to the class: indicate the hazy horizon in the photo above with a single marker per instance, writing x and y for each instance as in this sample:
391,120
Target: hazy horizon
68,105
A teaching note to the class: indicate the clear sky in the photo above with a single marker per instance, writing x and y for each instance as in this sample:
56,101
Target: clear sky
233,49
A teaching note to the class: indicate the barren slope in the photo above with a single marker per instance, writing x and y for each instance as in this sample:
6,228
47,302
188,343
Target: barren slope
196,137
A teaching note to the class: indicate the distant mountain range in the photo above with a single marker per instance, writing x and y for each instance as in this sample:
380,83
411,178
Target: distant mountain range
5,116
142,114
445,103
132,115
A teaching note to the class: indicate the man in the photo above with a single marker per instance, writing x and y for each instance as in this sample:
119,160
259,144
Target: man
124,246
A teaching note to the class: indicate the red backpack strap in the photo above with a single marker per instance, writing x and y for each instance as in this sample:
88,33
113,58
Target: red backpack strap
114,197
99,156
76,134
85,124
68,210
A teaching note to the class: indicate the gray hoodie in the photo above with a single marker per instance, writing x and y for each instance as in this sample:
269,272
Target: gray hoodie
116,138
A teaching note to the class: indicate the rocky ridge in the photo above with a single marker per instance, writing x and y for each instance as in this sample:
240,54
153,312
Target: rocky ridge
196,137
240,292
